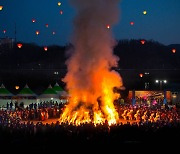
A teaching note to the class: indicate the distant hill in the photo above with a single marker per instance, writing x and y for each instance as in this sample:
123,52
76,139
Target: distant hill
132,54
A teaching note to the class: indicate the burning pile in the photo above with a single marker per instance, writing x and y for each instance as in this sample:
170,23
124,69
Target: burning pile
90,79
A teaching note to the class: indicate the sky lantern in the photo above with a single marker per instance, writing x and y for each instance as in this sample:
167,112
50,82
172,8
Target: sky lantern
173,50
131,23
45,48
47,25
144,12
37,32
108,26
59,3
33,20
4,31
143,41
61,12
140,75
19,45
53,32
16,87
1,7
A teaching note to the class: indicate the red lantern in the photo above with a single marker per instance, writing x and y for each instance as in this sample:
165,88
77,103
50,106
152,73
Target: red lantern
61,12
143,41
19,45
141,75
33,20
47,25
173,50
108,26
4,31
45,48
131,23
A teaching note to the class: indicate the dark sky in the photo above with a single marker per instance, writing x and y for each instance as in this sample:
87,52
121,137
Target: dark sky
161,23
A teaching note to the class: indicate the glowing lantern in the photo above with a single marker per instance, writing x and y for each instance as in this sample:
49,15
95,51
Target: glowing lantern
53,33
173,50
108,26
33,20
144,12
37,32
47,25
16,87
45,48
131,23
61,12
4,31
59,3
19,45
141,75
1,8
143,41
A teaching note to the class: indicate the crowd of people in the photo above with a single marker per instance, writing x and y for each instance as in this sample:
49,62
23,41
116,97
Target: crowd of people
34,111
157,124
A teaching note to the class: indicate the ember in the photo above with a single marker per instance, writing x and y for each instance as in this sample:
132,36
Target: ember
90,79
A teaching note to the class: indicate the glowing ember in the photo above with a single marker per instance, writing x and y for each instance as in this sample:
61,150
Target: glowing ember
90,79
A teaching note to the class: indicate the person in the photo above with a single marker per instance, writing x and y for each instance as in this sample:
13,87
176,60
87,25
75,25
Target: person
11,105
7,106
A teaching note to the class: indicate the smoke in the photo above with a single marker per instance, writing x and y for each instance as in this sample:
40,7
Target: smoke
90,75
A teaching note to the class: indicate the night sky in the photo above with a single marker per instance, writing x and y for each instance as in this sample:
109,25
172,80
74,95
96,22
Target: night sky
161,23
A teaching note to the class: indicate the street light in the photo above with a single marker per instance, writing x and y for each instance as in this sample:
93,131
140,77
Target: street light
160,83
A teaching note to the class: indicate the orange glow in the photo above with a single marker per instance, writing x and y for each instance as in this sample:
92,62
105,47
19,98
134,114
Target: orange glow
1,8
173,50
45,48
143,41
19,45
37,32
141,75
16,87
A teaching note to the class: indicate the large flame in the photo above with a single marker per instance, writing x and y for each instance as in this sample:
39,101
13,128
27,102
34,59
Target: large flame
90,79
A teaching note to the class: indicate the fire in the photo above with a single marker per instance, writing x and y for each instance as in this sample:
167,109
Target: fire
86,107
90,79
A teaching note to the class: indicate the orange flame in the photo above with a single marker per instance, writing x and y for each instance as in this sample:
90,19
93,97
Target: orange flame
87,107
